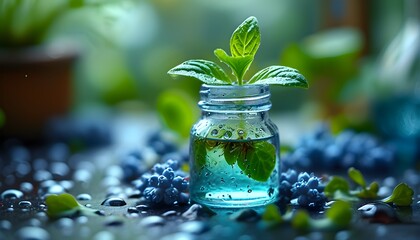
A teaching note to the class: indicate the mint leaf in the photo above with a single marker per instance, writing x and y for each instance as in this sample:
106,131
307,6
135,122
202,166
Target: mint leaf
301,221
177,111
259,160
203,70
370,192
60,205
245,40
336,184
233,151
401,196
199,153
272,214
340,214
279,75
357,177
239,65
65,205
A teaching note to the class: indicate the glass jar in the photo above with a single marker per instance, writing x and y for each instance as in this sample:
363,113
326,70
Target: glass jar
234,148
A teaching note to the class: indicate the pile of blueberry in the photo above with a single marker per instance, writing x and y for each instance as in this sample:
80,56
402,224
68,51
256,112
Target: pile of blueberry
322,151
165,184
302,189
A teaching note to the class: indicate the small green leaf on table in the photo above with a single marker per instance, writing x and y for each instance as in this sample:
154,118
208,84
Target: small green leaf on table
401,196
340,214
65,205
272,214
336,184
357,177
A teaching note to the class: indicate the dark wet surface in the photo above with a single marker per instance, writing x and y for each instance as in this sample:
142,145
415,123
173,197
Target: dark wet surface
96,180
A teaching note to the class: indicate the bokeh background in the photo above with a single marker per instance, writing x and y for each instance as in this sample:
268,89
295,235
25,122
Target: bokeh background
361,58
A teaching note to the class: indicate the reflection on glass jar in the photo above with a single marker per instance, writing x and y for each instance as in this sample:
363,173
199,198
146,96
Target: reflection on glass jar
234,148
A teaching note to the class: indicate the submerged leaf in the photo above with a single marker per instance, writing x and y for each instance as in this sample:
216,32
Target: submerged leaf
203,70
259,161
279,75
233,151
199,153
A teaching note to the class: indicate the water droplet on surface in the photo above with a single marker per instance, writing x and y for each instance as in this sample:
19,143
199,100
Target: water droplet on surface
169,213
59,169
113,221
194,227
214,132
42,175
11,194
100,212
32,233
5,225
142,207
114,202
82,219
84,197
132,210
26,187
65,223
240,132
249,191
152,221
24,204
228,134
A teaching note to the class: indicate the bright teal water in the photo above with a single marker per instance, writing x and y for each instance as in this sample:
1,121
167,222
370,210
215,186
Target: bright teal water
220,185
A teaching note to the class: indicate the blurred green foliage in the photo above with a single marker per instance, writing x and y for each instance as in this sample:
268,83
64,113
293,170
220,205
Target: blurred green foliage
26,22
2,118
177,111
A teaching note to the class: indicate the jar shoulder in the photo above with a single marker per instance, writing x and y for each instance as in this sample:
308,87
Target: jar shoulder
234,128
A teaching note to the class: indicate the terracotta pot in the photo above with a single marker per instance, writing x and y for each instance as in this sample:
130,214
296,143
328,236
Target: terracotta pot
35,85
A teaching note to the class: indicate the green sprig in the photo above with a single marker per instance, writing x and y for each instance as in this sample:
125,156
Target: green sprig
338,188
244,44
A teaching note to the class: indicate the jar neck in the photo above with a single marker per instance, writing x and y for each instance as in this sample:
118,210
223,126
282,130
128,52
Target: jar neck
234,99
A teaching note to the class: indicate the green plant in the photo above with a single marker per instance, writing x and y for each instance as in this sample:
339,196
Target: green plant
244,44
338,188
65,205
26,22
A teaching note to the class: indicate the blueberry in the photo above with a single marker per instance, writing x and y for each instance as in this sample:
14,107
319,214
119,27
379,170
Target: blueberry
303,200
170,196
174,164
183,198
169,173
158,168
313,182
154,181
303,176
163,182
